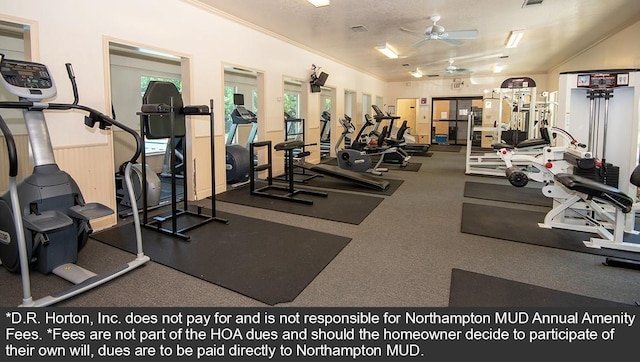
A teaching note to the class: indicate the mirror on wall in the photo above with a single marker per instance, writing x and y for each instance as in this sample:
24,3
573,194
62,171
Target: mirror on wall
366,109
292,103
241,119
12,45
327,96
131,70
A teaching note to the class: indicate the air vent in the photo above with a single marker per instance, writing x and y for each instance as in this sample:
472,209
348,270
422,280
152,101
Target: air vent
358,29
528,3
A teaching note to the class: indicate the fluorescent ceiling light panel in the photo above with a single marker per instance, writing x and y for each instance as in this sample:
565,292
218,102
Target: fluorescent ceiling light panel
319,3
416,73
157,53
514,38
386,50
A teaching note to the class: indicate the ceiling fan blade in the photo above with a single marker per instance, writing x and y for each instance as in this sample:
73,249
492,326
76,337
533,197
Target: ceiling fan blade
421,42
451,41
413,32
462,34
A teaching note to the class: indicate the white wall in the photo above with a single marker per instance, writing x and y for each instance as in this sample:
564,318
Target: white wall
619,51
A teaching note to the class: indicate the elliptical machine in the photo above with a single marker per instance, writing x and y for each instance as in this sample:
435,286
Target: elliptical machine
44,220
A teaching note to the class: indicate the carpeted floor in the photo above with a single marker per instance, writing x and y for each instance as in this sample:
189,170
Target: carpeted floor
400,255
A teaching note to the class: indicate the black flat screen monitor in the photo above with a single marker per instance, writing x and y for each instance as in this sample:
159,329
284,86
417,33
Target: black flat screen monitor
238,99
321,79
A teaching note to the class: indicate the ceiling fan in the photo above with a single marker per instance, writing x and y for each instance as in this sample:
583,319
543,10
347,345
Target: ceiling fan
437,32
452,69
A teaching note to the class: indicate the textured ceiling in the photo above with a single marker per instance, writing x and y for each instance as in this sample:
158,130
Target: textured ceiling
554,31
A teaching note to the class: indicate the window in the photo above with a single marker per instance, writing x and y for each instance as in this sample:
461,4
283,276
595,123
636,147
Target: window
292,104
145,80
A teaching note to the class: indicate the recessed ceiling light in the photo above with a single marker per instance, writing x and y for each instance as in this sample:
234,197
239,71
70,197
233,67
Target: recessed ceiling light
388,51
514,38
416,74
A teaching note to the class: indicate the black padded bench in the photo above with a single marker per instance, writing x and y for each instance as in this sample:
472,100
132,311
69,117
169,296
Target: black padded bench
594,189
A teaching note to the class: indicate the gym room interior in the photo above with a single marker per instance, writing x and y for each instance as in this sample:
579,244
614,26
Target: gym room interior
443,225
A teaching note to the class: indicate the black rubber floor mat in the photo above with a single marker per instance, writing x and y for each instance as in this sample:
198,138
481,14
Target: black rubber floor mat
522,226
263,260
338,206
470,289
506,193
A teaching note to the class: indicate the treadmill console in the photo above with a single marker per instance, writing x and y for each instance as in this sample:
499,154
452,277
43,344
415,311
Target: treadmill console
380,116
27,79
241,115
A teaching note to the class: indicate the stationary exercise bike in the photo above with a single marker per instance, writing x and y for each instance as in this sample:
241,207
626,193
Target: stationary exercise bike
44,219
359,160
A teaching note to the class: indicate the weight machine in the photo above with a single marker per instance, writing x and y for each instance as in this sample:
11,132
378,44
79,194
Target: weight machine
512,118
597,188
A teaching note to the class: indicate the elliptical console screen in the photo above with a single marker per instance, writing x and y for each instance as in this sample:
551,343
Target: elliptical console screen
27,79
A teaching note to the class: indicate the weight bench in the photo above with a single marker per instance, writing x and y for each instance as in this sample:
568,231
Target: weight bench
588,203
291,191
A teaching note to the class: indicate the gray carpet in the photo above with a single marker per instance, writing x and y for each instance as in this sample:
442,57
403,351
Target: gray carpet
445,148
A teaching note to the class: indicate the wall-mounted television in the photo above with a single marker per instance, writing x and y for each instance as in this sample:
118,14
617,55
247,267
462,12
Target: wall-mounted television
318,81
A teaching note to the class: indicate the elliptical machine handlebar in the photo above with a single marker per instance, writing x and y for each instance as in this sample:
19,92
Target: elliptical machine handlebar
94,116
11,148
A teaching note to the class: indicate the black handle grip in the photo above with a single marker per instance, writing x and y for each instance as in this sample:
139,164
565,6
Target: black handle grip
74,85
11,148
